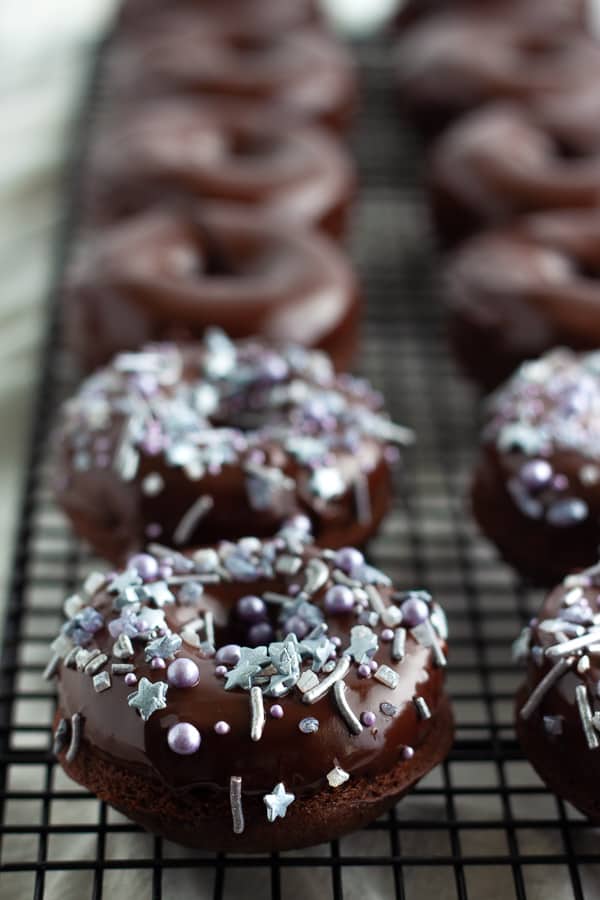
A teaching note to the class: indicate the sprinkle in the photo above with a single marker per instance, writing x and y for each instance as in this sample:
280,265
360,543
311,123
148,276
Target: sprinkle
149,697
277,802
316,576
425,634
257,714
388,709
391,616
199,508
586,717
578,643
339,693
121,668
235,801
307,681
423,710
540,690
52,667
276,711
368,718
288,565
337,777
407,752
209,627
222,727
71,658
72,606
272,597
130,679
375,599
340,671
554,725
122,647
101,682
93,583
184,739
164,647
364,671
362,500
398,645
76,721
60,737
85,657
363,644
309,725
152,484
96,664
387,677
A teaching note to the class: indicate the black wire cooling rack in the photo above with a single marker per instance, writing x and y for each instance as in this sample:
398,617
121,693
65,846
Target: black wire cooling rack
481,826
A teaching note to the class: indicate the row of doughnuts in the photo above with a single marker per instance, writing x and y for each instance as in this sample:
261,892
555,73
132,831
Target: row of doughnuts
243,679
514,183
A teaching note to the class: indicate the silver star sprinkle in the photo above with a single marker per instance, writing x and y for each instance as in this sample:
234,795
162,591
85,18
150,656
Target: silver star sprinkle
363,644
252,659
149,697
164,647
277,802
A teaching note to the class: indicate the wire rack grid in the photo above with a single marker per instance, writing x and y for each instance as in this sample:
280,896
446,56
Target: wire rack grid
481,826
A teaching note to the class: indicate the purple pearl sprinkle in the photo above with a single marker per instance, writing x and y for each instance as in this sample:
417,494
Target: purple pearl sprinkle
183,673
560,482
300,522
373,665
276,711
339,599
349,559
259,634
407,752
145,565
251,609
184,738
165,570
153,530
536,474
222,727
130,679
364,671
296,625
368,719
221,671
568,512
414,612
158,663
229,654
387,635
336,641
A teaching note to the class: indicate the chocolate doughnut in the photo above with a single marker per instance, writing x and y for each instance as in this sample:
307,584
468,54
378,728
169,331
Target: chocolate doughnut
193,443
263,695
176,154
536,487
450,64
301,75
253,17
557,708
171,276
513,294
501,161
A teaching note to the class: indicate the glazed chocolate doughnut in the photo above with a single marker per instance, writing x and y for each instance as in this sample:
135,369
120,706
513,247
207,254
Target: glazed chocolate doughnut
557,709
536,488
501,161
514,294
258,696
253,17
197,442
175,154
170,276
301,75
450,64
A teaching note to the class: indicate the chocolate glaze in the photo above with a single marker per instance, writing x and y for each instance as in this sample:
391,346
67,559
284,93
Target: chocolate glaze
171,275
110,425
304,74
502,161
552,735
513,294
456,61
536,487
116,732
176,154
251,16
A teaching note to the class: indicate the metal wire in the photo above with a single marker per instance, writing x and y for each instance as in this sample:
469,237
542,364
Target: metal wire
482,825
